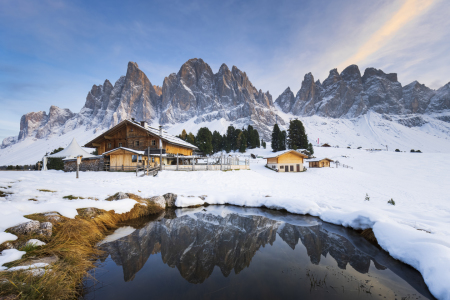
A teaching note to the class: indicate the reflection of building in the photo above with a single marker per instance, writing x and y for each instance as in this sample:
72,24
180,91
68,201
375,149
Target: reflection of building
287,161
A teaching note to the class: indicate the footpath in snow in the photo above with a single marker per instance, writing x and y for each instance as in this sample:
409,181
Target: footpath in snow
416,230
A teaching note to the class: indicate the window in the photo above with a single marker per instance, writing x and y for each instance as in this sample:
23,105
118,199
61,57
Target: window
140,158
109,145
153,159
136,143
133,158
273,167
282,167
291,168
131,129
120,144
153,142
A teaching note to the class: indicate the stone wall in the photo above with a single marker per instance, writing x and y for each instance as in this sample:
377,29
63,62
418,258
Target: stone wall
87,164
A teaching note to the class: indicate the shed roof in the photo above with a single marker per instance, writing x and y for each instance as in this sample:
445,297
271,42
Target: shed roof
320,159
126,149
171,139
279,153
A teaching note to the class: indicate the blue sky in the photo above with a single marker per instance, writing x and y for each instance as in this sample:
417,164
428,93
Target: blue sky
52,52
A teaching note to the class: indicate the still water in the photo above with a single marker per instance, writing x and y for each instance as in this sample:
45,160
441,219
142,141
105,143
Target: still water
226,252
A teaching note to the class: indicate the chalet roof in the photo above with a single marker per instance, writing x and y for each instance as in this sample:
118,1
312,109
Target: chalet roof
126,149
171,139
71,151
279,153
320,159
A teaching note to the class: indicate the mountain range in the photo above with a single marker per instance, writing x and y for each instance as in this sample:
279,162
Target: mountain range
196,96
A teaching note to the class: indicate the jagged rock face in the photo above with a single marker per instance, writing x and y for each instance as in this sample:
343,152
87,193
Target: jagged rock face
132,96
349,95
158,90
286,100
57,117
416,97
440,100
30,123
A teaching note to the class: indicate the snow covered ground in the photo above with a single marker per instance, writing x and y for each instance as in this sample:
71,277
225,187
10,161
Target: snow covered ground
416,230
368,131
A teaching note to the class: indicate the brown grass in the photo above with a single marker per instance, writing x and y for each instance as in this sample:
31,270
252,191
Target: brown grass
47,191
369,235
74,242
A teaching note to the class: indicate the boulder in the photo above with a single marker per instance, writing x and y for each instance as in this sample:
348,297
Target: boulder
53,217
121,195
45,229
89,212
170,199
26,228
159,201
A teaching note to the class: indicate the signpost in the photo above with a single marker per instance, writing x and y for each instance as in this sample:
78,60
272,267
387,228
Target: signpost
78,163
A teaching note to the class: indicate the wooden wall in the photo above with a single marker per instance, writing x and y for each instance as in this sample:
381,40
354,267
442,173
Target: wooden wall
128,135
272,160
290,158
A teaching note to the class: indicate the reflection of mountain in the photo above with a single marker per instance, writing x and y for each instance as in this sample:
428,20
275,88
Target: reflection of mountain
195,244
320,242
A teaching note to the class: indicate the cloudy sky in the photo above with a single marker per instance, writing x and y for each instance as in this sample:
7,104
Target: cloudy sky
52,52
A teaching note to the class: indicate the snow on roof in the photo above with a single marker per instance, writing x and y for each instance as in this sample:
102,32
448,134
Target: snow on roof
155,131
126,149
276,154
319,159
72,151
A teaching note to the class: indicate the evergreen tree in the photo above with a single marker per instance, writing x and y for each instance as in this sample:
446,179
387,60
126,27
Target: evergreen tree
250,137
297,138
226,145
242,141
276,136
263,144
217,142
55,163
190,138
231,137
256,139
237,132
203,140
183,135
282,143
310,148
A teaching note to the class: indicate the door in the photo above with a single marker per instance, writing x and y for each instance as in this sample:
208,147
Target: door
286,168
291,168
298,168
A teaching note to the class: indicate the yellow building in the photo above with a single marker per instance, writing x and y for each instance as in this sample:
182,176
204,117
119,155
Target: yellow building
124,145
320,163
287,161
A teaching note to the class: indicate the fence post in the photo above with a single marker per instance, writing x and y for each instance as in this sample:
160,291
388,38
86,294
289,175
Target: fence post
206,164
193,163
221,161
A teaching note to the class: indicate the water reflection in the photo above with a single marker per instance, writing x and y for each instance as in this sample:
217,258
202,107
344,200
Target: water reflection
196,242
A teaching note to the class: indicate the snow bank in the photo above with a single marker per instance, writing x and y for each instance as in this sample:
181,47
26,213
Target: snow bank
10,255
416,230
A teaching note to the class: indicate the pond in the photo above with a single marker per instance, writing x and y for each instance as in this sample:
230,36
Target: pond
227,252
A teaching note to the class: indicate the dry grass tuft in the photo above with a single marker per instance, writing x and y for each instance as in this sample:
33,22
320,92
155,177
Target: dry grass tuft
70,197
47,191
74,242
369,235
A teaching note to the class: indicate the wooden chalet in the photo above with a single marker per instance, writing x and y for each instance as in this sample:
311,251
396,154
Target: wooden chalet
287,161
125,146
320,163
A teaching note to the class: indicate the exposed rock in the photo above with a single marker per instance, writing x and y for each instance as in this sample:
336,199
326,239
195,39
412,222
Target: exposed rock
159,201
89,212
43,260
53,217
170,199
45,229
29,227
121,195
415,121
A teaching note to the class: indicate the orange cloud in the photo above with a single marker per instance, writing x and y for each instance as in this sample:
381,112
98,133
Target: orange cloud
407,12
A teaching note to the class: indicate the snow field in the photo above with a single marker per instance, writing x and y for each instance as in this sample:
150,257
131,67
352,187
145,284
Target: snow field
416,181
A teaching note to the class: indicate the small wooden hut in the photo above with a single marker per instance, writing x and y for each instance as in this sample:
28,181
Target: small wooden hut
320,163
287,161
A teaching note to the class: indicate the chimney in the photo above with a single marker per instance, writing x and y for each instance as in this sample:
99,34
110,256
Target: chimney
132,119
144,124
